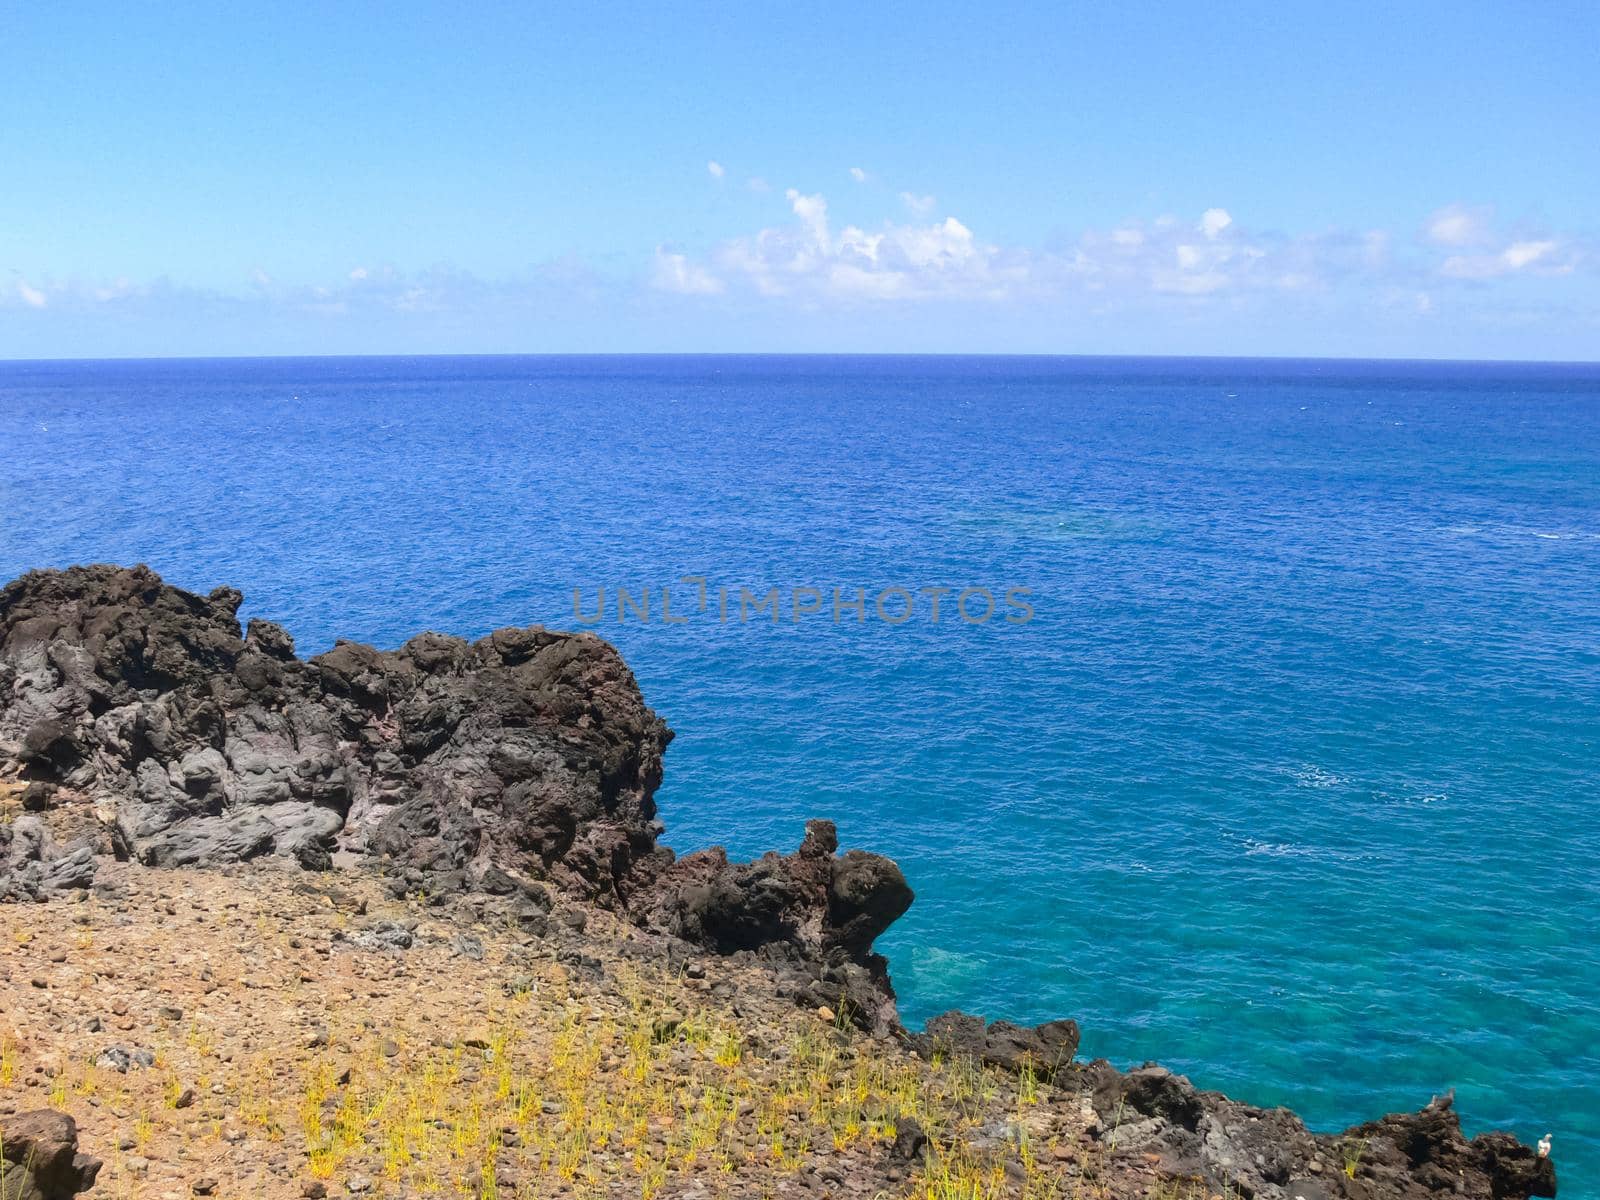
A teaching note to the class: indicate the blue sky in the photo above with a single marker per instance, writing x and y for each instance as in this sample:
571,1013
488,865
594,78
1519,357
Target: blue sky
1419,179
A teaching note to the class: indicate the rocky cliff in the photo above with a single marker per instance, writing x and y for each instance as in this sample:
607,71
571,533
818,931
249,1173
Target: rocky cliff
139,721
144,723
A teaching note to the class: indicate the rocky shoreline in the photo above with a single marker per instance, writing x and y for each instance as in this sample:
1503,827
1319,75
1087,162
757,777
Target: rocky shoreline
509,783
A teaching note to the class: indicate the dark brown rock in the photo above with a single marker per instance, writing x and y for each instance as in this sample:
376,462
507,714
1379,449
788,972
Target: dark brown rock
910,1140
808,907
529,751
1045,1049
41,1159
1429,1147
528,755
1268,1154
36,796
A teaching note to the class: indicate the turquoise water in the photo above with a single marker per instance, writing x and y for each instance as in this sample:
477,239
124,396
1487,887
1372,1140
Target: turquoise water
1291,780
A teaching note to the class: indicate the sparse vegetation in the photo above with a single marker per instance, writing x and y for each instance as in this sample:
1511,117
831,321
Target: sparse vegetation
297,1060
1351,1149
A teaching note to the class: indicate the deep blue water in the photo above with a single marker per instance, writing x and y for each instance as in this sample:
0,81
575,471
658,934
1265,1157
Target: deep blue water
1290,782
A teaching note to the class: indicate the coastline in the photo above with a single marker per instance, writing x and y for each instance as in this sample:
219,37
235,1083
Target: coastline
513,779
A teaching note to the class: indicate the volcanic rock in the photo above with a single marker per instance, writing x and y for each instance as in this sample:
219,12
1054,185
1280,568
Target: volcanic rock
528,755
812,906
1045,1049
40,1157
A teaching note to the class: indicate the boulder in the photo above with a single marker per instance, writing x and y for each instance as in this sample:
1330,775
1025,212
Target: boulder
39,1158
34,867
813,907
1046,1049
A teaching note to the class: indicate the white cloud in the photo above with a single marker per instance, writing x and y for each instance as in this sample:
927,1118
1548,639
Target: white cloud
716,169
1457,225
813,213
1543,256
1172,257
120,289
553,288
675,273
1376,247
809,259
1405,301
1214,220
758,185
1525,254
918,206
417,299
1480,251
858,174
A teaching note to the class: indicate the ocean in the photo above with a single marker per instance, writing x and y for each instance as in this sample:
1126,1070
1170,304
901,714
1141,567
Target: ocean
1283,770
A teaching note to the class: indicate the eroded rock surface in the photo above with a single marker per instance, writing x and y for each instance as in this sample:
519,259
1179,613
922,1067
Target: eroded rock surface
200,745
1269,1154
1043,1049
1427,1150
139,719
39,1158
812,908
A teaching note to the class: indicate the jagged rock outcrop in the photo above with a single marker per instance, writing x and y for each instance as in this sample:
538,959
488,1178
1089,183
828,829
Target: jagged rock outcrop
39,1158
1268,1154
34,866
528,750
812,907
141,719
1426,1151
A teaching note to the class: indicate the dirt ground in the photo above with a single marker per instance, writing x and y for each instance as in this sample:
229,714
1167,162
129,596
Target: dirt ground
264,1032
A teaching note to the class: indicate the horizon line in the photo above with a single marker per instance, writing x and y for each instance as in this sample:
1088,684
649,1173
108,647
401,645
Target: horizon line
860,354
